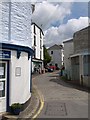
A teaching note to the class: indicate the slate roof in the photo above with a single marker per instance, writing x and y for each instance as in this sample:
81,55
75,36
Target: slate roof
56,47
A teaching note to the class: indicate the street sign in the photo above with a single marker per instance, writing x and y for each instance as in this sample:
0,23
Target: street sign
5,54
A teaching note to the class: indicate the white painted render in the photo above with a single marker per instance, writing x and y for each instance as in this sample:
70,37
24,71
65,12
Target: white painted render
68,50
20,85
15,28
56,57
15,23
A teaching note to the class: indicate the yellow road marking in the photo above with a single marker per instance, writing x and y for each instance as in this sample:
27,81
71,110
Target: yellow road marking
41,106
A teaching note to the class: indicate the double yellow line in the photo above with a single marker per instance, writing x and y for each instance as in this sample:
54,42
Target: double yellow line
41,105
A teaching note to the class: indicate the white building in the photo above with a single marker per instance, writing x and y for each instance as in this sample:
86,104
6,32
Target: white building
55,52
68,50
15,53
37,46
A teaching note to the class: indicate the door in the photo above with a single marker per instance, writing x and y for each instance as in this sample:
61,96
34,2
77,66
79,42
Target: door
3,84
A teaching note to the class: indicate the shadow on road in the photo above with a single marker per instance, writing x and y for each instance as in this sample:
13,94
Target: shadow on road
58,80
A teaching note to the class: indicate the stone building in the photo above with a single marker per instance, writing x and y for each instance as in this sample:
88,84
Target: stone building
80,60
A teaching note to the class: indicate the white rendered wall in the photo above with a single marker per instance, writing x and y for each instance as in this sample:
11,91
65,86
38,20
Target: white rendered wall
56,57
15,23
68,50
20,85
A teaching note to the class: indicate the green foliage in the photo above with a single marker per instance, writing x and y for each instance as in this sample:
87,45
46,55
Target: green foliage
16,106
47,57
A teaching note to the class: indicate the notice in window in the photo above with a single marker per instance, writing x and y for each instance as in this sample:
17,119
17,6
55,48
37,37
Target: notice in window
1,86
1,70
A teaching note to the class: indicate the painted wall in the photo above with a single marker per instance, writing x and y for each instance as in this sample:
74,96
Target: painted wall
15,23
68,50
56,57
20,85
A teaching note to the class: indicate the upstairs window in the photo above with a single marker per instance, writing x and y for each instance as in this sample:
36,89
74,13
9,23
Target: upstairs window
34,30
40,34
51,52
34,40
40,44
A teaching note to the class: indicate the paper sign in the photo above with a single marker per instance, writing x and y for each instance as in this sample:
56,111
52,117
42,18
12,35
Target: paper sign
1,86
18,71
1,70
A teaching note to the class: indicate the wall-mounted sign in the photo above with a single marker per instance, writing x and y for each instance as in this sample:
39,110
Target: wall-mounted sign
5,54
18,71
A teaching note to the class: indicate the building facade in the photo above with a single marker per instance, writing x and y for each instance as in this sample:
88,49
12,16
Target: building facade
15,54
55,52
37,46
68,51
80,60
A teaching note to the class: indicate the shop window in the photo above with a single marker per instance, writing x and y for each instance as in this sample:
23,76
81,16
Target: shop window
2,70
2,88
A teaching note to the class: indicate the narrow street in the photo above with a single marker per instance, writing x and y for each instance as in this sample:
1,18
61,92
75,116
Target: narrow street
61,100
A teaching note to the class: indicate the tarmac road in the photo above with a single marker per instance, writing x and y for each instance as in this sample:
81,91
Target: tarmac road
61,100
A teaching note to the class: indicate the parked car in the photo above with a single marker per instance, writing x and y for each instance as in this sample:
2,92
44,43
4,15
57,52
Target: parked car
50,70
52,67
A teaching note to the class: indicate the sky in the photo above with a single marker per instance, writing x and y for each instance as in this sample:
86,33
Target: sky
60,20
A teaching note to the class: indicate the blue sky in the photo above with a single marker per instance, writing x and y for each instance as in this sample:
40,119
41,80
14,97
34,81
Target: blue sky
60,20
78,9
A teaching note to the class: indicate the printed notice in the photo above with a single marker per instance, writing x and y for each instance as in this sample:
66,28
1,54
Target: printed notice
1,86
18,71
1,70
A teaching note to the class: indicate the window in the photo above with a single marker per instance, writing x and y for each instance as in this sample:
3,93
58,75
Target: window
34,29
40,55
40,44
51,52
34,40
40,34
34,53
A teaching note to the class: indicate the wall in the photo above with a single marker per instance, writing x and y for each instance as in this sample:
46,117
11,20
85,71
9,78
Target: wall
20,85
80,39
68,50
16,23
56,57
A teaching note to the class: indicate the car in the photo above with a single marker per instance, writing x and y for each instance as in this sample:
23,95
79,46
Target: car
52,67
50,70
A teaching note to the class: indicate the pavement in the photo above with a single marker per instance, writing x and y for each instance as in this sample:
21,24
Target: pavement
30,111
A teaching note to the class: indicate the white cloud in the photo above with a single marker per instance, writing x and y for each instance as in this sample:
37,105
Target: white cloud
47,13
55,35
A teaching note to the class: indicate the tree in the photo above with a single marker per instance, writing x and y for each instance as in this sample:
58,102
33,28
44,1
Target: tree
47,57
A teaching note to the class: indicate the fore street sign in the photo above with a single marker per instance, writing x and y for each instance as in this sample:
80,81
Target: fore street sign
5,54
